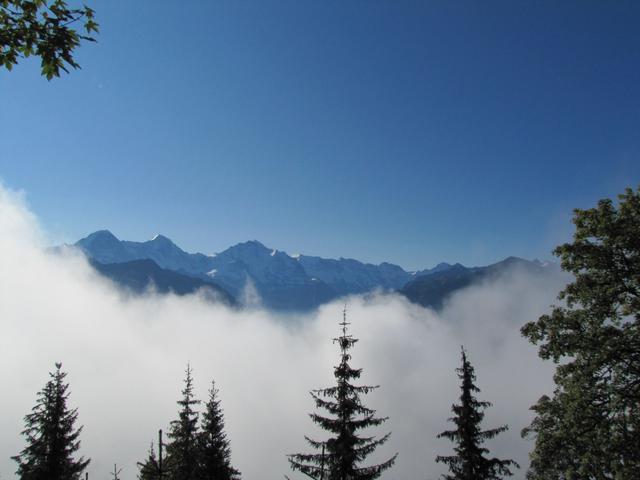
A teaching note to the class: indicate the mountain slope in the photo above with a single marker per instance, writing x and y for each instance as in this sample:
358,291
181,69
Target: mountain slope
433,289
140,275
105,247
278,278
347,276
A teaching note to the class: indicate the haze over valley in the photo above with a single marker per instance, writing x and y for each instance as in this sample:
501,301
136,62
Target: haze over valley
126,354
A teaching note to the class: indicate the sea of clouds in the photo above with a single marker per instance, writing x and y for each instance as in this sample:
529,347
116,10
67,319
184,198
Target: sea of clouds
126,357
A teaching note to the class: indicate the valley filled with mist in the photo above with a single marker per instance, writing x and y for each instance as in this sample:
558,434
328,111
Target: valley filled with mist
126,354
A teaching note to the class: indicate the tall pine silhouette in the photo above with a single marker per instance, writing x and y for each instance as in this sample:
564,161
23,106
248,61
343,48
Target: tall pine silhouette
182,451
51,435
469,461
214,447
341,455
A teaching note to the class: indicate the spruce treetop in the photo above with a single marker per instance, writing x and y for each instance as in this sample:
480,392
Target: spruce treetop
344,451
182,452
150,468
469,461
51,436
214,446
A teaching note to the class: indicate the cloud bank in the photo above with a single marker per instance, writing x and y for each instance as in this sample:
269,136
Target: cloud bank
125,359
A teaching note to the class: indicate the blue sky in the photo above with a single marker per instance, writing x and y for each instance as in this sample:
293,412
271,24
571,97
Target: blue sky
403,131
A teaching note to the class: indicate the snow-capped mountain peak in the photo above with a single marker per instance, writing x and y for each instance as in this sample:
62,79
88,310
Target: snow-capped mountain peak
282,280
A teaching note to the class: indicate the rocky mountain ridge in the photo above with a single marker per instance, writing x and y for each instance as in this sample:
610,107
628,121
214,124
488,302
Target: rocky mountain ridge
283,282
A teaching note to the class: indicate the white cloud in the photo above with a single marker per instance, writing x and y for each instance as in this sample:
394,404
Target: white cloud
125,360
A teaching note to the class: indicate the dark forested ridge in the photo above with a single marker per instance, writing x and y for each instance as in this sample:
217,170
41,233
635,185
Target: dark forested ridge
139,276
433,289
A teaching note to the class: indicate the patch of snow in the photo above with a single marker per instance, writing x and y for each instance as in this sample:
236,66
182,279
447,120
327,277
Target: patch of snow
273,252
212,273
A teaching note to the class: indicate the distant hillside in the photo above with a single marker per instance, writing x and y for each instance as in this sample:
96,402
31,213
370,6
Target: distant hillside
433,289
140,275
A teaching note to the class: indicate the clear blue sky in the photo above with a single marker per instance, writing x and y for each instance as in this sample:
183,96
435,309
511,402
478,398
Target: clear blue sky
406,131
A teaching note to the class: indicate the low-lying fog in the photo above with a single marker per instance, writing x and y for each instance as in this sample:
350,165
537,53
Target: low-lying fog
126,358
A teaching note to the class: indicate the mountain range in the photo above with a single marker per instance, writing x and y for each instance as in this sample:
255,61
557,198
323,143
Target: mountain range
282,281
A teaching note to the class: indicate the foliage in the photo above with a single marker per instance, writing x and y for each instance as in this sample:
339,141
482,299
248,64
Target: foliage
342,453
43,28
469,461
594,413
213,446
52,439
150,468
182,452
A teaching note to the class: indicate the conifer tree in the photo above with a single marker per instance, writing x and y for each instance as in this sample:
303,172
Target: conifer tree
214,448
342,454
150,468
469,461
51,435
182,452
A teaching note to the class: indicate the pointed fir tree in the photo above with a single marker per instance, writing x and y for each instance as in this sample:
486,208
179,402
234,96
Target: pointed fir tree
150,468
469,461
52,439
182,451
342,454
214,448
